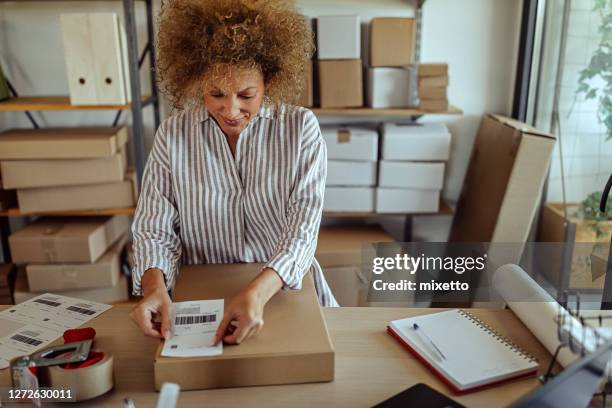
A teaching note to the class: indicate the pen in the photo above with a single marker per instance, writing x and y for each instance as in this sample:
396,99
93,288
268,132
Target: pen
422,333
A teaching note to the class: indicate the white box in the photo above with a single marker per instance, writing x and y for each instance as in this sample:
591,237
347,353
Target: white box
350,143
421,175
392,87
349,199
420,142
407,200
339,37
351,173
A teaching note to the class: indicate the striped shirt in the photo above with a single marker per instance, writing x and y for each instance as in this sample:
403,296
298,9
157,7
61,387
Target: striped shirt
201,205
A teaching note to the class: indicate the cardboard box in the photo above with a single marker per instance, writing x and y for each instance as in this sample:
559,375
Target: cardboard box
116,194
427,92
293,346
104,272
110,294
433,82
503,183
392,41
419,142
421,175
400,200
439,69
306,98
351,173
338,37
434,105
350,143
343,245
54,240
342,199
43,173
392,87
340,83
61,143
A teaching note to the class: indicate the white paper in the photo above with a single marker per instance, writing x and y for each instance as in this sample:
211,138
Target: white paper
34,324
194,325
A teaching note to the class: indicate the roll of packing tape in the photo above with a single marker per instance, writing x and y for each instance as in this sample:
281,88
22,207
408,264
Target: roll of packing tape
86,382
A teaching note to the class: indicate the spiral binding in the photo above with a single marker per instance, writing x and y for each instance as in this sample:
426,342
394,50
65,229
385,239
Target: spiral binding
485,327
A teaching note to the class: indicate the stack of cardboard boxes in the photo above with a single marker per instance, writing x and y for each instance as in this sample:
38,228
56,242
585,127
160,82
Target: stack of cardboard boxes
339,61
62,169
352,154
433,87
412,167
392,79
77,257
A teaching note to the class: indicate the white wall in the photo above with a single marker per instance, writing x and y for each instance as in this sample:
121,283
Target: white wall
478,38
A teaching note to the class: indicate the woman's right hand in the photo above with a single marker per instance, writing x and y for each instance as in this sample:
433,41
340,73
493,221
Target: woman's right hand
155,304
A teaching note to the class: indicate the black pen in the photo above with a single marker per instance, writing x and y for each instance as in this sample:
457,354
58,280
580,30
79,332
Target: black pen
422,333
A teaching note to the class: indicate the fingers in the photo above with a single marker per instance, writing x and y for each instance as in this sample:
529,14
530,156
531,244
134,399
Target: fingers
245,330
164,312
143,319
227,318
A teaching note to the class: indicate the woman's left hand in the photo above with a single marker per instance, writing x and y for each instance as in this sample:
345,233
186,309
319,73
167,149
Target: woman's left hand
243,316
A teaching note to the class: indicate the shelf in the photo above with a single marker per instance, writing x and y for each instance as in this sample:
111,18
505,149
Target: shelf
445,209
57,103
15,212
452,110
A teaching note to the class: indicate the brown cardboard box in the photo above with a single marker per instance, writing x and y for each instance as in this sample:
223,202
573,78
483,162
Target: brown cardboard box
53,240
116,194
104,272
433,70
306,97
434,105
392,41
43,173
61,143
110,294
433,82
340,253
340,83
293,346
428,92
503,182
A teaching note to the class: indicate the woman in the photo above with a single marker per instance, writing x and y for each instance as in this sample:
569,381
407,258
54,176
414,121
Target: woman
239,179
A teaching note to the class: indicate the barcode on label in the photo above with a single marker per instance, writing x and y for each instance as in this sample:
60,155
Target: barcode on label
26,340
47,302
81,310
182,320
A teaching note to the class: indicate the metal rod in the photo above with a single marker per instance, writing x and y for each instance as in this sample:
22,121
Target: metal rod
152,62
27,113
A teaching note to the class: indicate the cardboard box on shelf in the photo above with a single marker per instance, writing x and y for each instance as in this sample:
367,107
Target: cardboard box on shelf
340,83
340,252
44,173
350,143
117,194
61,143
427,92
405,200
52,240
351,173
434,105
338,37
503,182
392,87
433,82
418,142
306,98
438,69
104,272
392,41
293,346
420,175
340,199
110,294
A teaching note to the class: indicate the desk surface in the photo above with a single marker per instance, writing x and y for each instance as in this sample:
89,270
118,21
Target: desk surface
370,365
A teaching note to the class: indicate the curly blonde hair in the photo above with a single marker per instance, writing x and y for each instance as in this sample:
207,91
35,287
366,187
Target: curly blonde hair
200,41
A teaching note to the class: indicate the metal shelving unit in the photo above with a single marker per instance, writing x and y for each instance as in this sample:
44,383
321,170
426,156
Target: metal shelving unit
136,59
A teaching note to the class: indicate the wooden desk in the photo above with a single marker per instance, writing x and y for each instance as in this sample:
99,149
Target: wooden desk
370,365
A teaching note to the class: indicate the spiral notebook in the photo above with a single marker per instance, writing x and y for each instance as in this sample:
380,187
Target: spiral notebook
460,349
